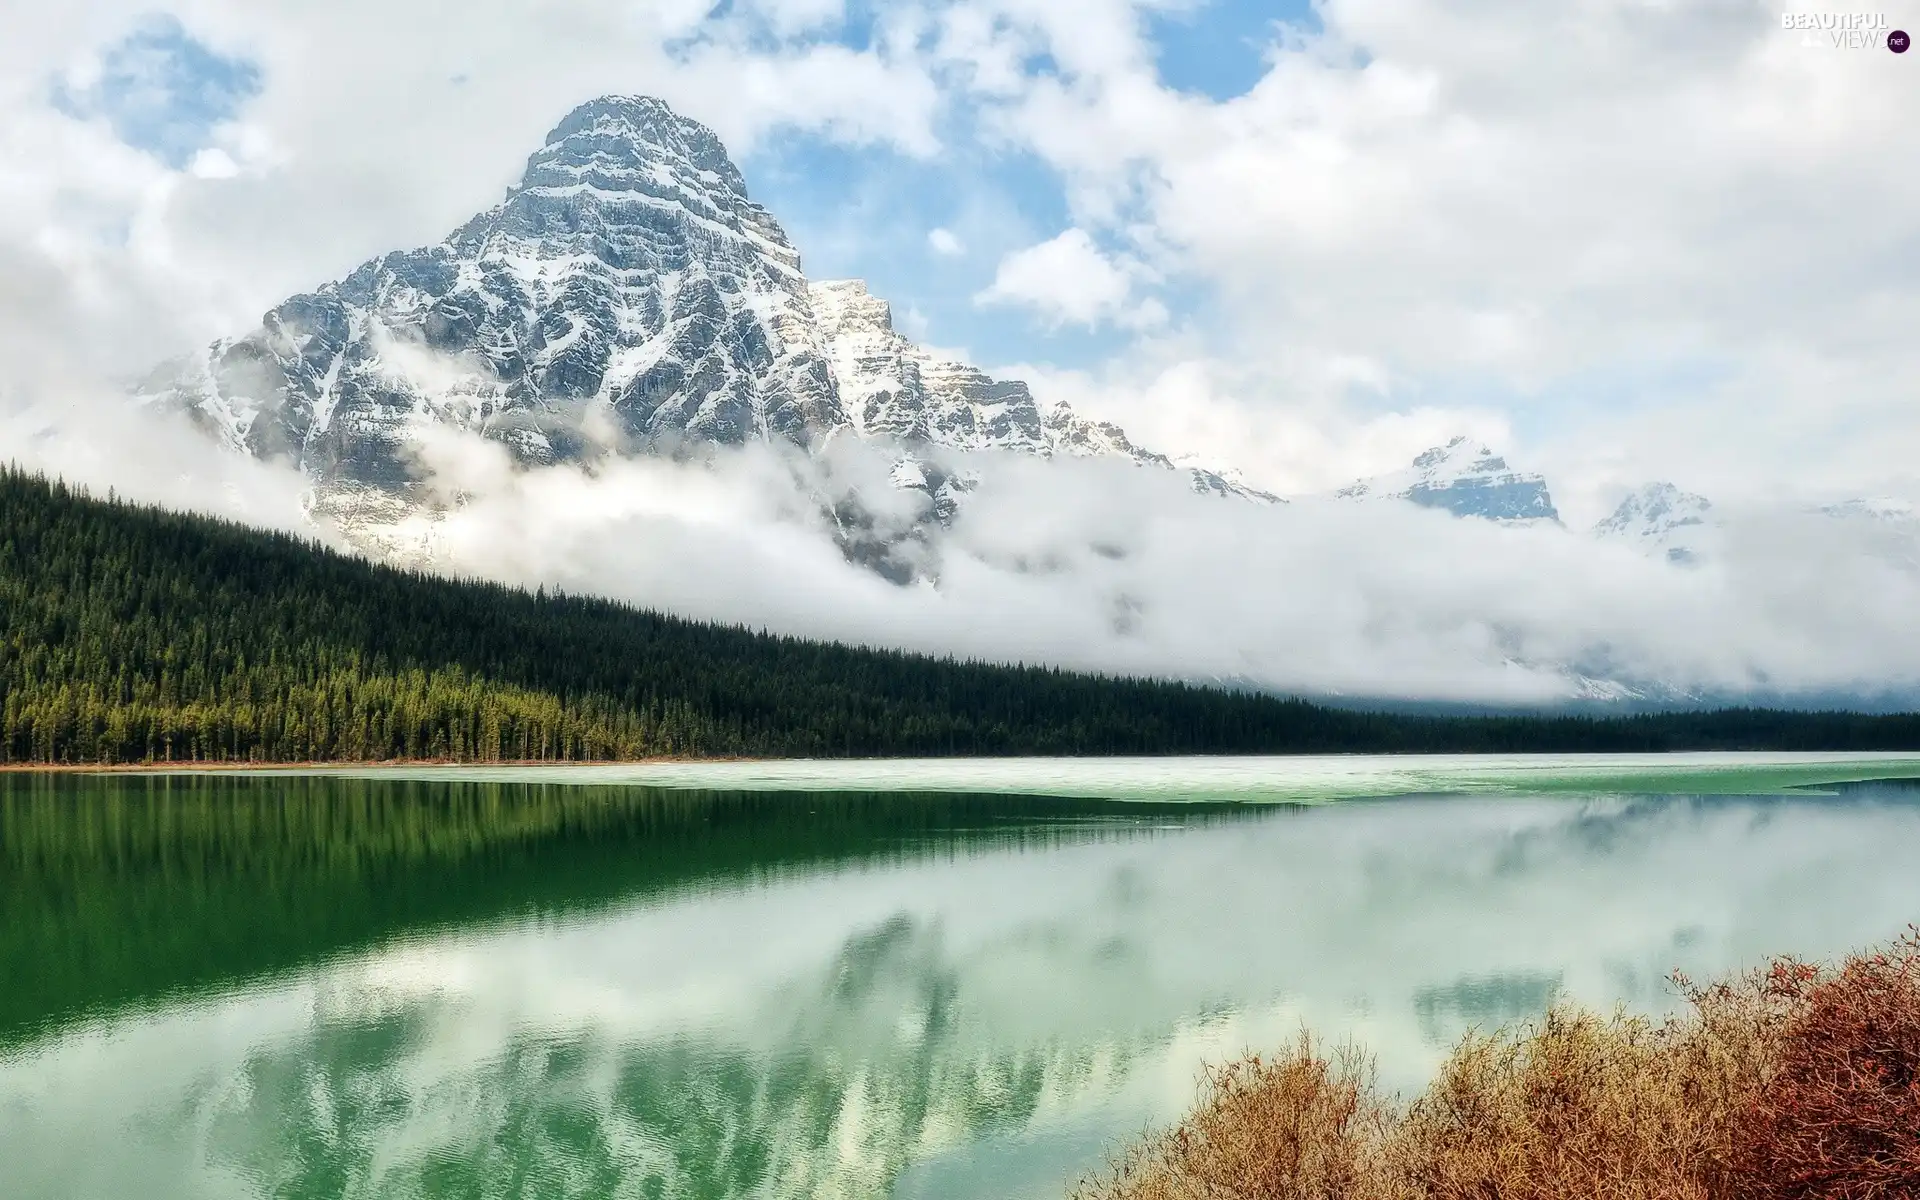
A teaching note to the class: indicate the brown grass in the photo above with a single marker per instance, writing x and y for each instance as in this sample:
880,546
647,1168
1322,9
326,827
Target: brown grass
1796,1082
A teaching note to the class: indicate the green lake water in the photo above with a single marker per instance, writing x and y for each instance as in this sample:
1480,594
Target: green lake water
838,980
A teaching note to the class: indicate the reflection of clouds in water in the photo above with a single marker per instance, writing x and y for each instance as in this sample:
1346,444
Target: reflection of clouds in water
816,1034
875,1066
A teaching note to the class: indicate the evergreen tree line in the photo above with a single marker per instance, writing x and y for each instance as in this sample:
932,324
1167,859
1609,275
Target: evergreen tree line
133,634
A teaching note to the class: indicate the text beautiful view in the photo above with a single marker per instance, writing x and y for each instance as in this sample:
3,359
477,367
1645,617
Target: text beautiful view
1397,678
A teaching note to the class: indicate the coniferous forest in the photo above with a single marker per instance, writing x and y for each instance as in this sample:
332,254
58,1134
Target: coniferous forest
131,634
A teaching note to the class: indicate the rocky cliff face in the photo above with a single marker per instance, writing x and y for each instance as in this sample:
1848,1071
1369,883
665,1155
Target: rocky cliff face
626,297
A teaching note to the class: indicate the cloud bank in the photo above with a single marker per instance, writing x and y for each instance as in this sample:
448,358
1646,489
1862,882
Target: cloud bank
1105,566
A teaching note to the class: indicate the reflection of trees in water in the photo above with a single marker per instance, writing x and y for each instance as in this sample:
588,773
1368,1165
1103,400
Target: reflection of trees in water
123,890
876,1062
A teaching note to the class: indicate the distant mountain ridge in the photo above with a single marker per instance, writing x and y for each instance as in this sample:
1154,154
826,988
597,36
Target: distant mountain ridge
893,389
1464,478
627,298
1660,518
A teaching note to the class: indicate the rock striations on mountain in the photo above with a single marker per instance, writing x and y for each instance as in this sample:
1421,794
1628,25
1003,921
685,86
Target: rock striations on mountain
626,297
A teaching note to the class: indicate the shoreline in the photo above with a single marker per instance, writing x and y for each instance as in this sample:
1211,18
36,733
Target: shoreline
1535,758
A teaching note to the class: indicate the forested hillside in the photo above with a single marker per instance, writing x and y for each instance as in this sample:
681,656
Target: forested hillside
130,634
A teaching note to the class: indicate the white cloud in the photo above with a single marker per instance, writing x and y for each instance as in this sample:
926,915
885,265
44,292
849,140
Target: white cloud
1068,280
1100,564
71,429
1286,429
1518,198
945,242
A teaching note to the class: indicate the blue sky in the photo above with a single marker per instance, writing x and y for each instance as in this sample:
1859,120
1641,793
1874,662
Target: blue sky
867,212
1219,49
163,90
864,211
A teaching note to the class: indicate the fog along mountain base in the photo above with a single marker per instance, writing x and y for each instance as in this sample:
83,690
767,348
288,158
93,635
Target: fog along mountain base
134,635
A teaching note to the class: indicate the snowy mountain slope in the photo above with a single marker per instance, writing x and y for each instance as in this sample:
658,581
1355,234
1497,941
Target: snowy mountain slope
1467,479
626,297
1663,520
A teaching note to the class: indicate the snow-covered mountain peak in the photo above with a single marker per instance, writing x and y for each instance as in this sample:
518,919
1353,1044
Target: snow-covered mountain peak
893,389
1466,478
1655,510
1458,458
615,134
627,279
1659,517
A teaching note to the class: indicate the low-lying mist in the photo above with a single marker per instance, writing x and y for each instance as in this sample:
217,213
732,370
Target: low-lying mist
1101,565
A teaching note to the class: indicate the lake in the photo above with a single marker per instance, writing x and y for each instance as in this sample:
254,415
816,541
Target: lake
839,979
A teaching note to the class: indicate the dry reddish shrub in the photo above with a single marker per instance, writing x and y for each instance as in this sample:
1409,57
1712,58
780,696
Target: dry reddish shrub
1294,1127
1839,1115
1790,1082
1576,1106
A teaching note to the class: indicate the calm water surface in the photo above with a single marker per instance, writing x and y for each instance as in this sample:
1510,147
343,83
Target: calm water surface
576,984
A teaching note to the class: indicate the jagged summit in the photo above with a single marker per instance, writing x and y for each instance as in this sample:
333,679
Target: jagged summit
616,130
1652,509
1466,478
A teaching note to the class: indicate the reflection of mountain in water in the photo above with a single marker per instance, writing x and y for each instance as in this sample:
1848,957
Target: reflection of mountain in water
120,890
878,1060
